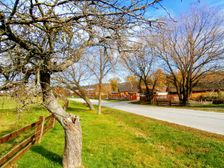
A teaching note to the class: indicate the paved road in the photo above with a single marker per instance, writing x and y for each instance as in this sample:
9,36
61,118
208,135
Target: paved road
208,121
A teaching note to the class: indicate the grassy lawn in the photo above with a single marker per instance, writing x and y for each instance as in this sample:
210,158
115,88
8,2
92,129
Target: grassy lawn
117,139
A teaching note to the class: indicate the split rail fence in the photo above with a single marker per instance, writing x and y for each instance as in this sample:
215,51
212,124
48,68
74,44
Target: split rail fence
38,128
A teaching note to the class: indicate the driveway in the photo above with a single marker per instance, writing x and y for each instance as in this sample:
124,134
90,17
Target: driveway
207,121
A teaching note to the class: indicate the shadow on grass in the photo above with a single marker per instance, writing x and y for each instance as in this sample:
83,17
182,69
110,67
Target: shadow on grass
3,133
75,107
47,154
38,108
7,110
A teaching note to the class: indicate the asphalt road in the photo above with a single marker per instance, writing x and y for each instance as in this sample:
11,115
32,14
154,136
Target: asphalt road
207,121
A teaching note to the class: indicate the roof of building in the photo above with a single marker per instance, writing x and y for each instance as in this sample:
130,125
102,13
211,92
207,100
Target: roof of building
128,87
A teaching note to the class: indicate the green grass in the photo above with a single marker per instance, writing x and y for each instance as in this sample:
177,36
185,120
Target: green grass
117,139
11,120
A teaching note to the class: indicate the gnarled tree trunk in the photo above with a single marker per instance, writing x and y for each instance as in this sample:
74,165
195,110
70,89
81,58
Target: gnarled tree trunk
69,122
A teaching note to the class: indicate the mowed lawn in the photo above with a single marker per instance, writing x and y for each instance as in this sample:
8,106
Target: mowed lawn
117,139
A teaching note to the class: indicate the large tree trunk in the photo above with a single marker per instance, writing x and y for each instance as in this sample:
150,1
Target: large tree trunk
185,100
148,93
139,85
73,143
184,95
69,122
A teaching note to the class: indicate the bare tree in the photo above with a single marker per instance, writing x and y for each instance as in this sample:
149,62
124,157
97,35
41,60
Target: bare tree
73,78
44,37
139,59
100,64
191,48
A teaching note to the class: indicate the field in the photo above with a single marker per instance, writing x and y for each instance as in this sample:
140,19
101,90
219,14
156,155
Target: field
117,139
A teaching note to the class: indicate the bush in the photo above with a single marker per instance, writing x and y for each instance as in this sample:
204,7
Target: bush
215,97
218,101
209,96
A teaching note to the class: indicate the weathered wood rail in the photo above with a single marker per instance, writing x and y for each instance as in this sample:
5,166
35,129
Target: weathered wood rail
39,128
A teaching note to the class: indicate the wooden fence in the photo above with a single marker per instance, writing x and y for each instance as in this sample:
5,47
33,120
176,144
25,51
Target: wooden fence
39,128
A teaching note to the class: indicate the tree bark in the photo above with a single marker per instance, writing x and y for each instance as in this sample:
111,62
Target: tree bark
87,100
100,98
100,81
69,122
89,103
82,94
148,93
139,85
183,95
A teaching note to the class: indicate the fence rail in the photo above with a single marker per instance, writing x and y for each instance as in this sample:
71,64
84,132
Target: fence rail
41,127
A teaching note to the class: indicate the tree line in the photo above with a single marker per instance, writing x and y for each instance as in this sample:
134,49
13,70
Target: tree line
186,51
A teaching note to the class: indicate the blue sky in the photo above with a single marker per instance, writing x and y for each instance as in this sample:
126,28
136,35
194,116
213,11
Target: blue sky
177,7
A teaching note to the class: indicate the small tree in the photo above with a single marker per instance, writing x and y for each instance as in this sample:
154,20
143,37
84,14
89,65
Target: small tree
100,65
139,61
73,77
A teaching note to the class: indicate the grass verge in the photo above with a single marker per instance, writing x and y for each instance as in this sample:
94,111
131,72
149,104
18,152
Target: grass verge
192,106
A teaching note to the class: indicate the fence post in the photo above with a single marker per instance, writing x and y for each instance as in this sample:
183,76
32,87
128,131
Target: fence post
9,159
53,121
41,128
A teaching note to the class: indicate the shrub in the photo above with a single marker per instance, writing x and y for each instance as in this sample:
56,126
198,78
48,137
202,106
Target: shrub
218,101
209,96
